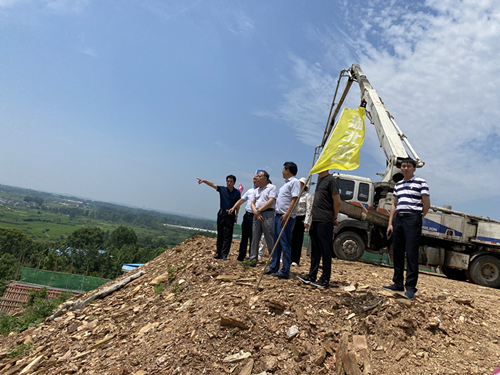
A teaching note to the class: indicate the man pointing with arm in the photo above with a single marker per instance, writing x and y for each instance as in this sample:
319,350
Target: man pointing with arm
225,220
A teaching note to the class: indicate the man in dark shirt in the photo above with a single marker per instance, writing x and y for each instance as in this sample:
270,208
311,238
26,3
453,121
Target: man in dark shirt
225,220
325,209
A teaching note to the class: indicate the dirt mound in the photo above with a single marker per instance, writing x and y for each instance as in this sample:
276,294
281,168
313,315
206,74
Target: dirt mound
208,320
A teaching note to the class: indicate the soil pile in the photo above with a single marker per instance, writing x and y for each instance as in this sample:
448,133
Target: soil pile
207,320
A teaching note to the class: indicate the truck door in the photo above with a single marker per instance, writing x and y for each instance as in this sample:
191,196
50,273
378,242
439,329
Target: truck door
346,189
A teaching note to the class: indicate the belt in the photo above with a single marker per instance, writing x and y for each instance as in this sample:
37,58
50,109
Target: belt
226,211
407,214
269,209
249,213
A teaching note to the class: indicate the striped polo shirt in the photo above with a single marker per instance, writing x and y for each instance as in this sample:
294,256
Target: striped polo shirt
409,194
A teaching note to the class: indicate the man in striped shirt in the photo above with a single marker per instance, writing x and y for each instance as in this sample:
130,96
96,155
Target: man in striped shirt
411,203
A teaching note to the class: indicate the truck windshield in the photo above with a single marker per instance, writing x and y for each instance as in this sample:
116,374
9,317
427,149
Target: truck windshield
346,189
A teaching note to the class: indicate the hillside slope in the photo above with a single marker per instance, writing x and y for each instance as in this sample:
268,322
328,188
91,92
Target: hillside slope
194,327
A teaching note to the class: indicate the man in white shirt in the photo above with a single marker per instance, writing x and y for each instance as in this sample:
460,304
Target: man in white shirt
263,204
247,223
288,195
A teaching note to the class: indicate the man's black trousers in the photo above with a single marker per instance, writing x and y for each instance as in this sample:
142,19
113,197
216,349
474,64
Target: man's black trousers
321,235
246,235
225,225
406,231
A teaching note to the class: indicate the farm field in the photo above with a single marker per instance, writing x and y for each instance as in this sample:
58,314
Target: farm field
48,226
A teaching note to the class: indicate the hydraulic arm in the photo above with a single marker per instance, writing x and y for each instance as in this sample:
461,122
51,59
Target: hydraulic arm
391,138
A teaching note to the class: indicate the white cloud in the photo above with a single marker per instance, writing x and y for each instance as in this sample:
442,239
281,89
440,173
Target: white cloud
66,6
9,3
58,6
241,24
436,67
169,10
443,84
90,52
306,102
220,145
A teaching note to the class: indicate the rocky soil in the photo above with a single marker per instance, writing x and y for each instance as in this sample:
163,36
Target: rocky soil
208,320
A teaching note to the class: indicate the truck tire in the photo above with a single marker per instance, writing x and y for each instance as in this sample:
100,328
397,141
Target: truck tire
454,274
485,270
468,276
349,246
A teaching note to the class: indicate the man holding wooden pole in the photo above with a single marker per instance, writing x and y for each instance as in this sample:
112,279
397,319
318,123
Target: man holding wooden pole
285,212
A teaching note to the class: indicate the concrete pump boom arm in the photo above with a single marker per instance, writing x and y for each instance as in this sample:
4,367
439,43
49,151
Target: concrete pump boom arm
391,138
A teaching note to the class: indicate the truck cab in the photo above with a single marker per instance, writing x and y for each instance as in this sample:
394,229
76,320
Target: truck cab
356,190
352,237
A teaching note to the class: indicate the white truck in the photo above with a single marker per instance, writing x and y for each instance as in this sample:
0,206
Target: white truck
463,246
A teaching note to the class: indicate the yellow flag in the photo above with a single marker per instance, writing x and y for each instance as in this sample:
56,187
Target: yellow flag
343,145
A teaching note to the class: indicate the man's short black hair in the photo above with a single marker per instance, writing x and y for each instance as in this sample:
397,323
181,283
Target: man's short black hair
409,160
265,174
231,176
292,167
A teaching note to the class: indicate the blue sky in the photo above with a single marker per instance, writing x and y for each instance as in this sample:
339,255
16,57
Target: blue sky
130,101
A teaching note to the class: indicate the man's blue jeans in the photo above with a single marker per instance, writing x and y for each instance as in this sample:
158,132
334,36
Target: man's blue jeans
284,246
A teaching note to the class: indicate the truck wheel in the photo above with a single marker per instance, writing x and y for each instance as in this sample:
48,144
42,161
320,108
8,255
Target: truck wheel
349,246
485,270
454,274
468,276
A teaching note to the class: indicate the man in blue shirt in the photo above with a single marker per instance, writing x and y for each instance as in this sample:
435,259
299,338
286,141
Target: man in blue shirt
285,204
225,220
411,203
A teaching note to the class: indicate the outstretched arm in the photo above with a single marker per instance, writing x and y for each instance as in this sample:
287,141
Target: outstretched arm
211,184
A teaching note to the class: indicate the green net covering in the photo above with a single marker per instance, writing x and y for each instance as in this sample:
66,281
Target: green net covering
60,280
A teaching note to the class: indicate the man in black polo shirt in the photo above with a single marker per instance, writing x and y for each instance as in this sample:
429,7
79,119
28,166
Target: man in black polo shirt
225,220
325,208
411,203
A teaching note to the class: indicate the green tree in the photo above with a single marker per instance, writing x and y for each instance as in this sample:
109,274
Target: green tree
122,236
86,243
14,241
86,237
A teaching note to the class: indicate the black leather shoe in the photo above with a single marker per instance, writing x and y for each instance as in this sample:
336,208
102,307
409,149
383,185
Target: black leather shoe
217,256
268,272
224,259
